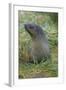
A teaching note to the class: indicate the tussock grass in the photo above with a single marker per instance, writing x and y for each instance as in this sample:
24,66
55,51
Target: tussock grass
49,23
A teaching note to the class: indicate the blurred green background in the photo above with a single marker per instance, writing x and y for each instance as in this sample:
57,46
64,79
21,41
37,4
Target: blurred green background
49,22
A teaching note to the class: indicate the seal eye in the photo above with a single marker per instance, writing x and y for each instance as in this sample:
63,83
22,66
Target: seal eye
31,27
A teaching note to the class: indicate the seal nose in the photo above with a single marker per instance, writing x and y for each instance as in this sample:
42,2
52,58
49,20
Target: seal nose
25,25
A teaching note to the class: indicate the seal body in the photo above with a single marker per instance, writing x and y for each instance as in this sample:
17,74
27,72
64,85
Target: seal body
40,47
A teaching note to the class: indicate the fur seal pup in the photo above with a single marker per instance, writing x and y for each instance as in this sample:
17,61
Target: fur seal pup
40,47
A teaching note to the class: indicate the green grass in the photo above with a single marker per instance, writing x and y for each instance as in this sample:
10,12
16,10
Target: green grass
41,70
37,71
49,23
